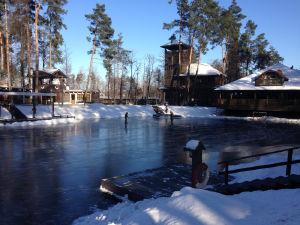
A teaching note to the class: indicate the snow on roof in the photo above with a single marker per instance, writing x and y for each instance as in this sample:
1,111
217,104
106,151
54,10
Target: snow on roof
248,82
51,71
204,69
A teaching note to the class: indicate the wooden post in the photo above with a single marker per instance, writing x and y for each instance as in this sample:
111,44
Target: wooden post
226,173
52,98
289,162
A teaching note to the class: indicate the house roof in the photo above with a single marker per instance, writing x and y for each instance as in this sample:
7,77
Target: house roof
278,73
248,82
175,46
51,73
203,69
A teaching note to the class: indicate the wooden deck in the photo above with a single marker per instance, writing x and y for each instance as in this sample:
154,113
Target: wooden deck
154,183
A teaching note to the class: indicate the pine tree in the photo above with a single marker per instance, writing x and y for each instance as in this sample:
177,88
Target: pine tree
54,24
246,47
231,22
101,34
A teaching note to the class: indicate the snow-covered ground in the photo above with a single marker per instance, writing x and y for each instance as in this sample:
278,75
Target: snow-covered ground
196,206
117,111
4,114
113,111
199,207
104,111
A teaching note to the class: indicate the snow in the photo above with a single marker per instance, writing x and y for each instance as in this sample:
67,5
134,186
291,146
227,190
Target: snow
248,82
186,111
204,69
196,206
4,114
192,144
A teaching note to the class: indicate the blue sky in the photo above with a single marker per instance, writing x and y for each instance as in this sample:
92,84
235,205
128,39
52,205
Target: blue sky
140,22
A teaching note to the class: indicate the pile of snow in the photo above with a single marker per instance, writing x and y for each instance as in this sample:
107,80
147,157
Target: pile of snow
5,115
248,82
201,207
187,111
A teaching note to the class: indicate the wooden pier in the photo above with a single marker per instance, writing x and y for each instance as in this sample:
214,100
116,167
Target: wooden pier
154,183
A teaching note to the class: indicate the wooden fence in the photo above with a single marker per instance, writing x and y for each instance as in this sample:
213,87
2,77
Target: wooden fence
288,163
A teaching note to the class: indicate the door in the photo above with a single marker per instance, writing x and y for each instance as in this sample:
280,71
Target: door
73,99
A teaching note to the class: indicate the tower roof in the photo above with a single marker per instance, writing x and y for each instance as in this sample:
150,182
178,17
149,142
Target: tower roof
175,46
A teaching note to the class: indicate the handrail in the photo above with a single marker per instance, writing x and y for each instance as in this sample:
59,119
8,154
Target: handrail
288,163
257,155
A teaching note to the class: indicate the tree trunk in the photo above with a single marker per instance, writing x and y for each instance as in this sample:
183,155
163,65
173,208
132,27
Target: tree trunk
189,70
22,68
121,88
136,88
28,39
90,71
36,78
108,86
7,47
130,85
1,51
50,52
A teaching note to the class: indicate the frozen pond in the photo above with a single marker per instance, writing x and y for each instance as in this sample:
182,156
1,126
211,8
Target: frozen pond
51,175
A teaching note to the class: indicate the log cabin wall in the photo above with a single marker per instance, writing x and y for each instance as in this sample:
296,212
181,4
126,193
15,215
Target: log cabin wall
269,101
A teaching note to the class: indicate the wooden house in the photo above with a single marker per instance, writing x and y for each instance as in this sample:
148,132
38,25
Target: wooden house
52,81
185,84
275,89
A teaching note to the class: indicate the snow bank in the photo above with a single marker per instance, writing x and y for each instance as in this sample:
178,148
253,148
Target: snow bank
104,111
186,111
201,207
4,114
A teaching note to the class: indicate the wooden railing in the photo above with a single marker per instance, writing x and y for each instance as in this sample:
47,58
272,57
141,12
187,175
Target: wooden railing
288,163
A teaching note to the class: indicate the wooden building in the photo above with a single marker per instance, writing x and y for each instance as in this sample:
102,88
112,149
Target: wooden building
275,89
77,96
188,84
52,81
